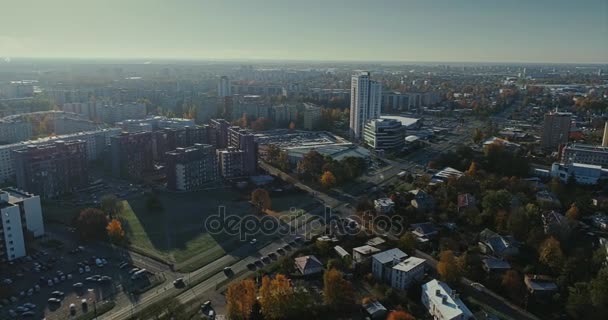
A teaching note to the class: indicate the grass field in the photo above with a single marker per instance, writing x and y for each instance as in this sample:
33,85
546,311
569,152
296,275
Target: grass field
177,234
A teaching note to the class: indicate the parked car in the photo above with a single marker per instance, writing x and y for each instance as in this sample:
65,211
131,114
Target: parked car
179,283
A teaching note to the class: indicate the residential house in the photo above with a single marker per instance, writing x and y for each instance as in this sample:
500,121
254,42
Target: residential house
555,224
495,266
466,201
496,245
540,285
383,262
408,272
375,310
341,252
364,253
308,265
443,303
384,205
424,231
422,200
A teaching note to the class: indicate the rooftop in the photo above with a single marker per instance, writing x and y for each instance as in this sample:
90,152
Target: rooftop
409,264
442,297
390,255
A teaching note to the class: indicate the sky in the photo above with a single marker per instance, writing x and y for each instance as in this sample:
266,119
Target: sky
556,31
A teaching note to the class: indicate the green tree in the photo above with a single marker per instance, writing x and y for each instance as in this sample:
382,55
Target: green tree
407,243
111,205
91,224
261,199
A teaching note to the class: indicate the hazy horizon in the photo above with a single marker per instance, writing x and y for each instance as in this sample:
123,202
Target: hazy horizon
389,31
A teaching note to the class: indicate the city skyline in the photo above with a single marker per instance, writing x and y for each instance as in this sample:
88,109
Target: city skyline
400,31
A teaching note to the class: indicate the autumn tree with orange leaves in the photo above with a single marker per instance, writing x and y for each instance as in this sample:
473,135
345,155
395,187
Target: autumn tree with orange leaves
275,297
400,315
115,231
337,291
327,180
240,298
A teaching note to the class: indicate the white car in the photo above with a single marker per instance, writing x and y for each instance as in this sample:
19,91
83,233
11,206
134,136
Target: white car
87,269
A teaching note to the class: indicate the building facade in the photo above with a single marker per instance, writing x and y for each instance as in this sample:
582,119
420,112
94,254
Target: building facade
53,169
224,87
230,163
131,155
384,134
407,272
191,168
556,129
365,99
585,154
312,116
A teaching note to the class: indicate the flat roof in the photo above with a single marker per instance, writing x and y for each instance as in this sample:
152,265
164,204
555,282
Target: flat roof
409,264
405,121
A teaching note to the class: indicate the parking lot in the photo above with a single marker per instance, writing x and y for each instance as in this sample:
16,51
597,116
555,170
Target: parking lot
67,282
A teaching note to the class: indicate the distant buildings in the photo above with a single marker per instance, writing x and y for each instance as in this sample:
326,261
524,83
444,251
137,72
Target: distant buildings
444,303
224,87
244,140
20,212
383,262
52,169
191,168
384,205
230,162
312,116
107,112
556,129
14,130
155,123
17,89
365,99
131,155
96,142
406,101
384,134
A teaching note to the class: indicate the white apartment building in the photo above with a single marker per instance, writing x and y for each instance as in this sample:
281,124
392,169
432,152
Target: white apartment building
19,211
384,134
407,272
224,87
365,101
442,303
12,131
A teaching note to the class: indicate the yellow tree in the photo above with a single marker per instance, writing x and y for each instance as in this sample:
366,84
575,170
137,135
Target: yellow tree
337,291
261,199
328,179
240,298
275,297
115,231
448,268
550,253
472,169
573,213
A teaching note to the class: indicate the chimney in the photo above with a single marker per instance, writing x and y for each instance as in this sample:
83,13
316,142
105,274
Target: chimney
444,300
605,139
438,292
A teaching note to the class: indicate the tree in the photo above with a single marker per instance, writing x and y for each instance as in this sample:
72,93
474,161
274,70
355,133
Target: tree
400,315
292,125
115,231
599,289
261,199
407,243
573,213
283,161
153,202
550,253
327,180
275,296
240,298
579,302
91,224
512,283
337,291
477,135
448,268
472,169
272,153
496,200
111,205
311,164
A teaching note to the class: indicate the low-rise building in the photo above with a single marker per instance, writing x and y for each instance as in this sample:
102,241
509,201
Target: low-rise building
364,253
383,262
495,266
308,265
375,310
540,285
585,154
494,244
384,205
443,303
407,272
422,200
581,173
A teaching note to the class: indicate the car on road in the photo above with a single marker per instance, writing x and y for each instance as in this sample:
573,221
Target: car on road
27,314
272,256
281,251
72,309
54,301
251,266
179,283
253,241
58,294
87,269
228,271
77,285
286,247
265,260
